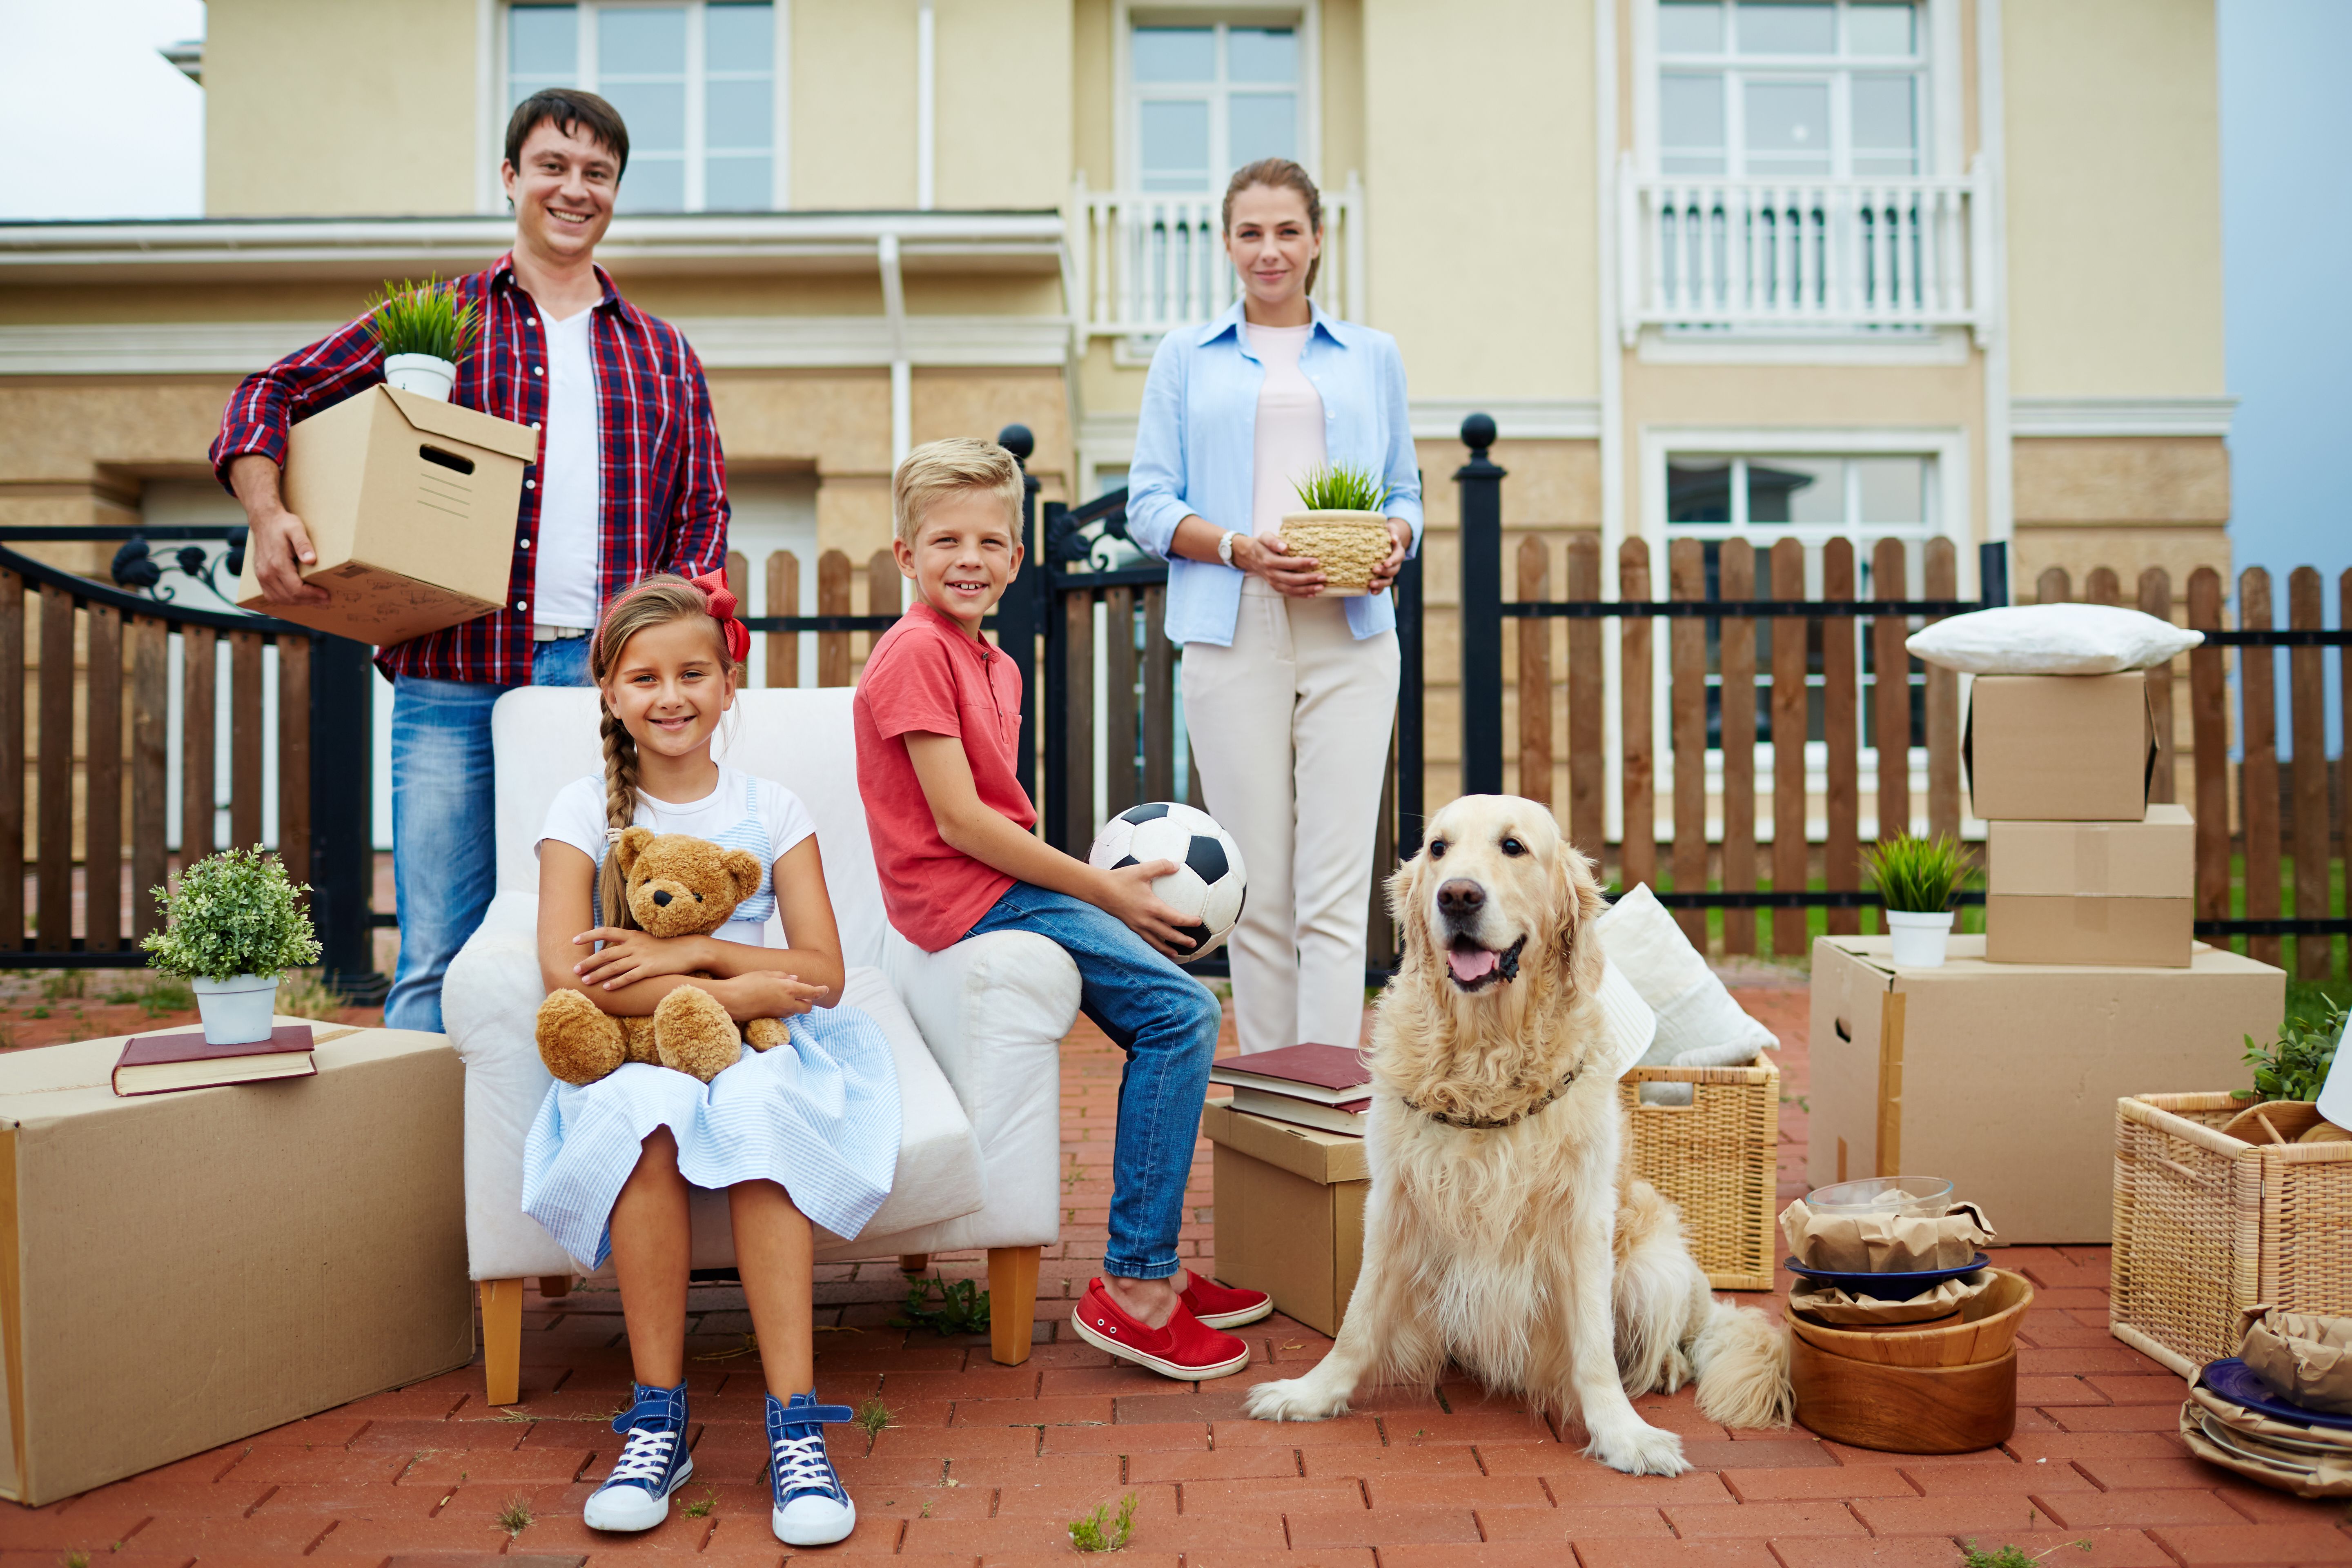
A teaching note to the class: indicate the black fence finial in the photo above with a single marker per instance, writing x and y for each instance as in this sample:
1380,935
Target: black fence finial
1017,441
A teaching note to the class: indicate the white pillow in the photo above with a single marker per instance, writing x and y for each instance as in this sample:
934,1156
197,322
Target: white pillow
2051,639
1697,1016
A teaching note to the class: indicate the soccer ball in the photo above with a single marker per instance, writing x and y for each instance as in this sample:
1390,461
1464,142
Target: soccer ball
1208,884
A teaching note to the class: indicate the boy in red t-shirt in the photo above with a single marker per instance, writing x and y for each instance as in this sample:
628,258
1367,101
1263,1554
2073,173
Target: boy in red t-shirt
939,729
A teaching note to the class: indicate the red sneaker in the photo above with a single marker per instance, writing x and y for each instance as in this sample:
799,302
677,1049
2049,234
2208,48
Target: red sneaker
1222,1307
1179,1349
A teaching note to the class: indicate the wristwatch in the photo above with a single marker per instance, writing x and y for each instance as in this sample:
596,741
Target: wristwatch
1225,547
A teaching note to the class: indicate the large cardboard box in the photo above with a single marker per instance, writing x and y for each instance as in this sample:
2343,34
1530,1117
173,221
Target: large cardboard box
181,1270
2003,1078
2091,892
1289,1212
2059,748
411,506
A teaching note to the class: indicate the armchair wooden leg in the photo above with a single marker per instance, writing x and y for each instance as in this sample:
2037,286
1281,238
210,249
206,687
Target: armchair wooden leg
914,1262
502,1340
1012,1302
554,1285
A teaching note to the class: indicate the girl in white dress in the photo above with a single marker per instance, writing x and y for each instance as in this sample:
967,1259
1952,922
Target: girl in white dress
807,1131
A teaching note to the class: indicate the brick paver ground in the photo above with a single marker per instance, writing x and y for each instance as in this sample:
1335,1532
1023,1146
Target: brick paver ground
986,1465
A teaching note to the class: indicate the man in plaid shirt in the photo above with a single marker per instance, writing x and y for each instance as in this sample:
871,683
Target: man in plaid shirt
630,481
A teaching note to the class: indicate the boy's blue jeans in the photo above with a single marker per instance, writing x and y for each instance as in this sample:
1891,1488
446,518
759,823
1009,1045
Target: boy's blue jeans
1166,1021
445,862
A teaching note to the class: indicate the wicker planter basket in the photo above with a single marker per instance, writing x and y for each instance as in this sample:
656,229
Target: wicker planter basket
2208,1225
1718,1159
1348,544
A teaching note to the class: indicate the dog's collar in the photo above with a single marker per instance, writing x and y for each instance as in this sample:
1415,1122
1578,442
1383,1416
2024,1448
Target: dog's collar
1488,1123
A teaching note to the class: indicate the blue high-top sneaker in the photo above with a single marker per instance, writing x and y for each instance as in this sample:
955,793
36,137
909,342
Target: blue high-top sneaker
653,1464
812,1508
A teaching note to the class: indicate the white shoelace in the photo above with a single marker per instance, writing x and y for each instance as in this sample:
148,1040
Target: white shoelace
645,1457
801,1466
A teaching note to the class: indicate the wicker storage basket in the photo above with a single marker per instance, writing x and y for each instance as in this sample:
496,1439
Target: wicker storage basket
1718,1159
2208,1225
1348,546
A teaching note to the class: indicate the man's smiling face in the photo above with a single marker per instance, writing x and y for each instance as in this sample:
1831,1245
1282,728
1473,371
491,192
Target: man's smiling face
562,191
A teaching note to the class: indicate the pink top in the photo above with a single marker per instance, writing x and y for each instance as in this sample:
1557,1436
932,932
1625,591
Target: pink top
1289,426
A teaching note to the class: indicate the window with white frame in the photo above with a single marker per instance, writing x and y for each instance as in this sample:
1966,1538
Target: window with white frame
1792,89
695,80
1205,98
1713,496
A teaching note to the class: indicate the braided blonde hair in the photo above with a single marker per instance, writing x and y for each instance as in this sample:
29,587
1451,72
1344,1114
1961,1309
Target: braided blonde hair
654,602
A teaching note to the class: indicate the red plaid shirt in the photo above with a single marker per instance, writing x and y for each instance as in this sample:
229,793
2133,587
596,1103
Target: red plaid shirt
663,491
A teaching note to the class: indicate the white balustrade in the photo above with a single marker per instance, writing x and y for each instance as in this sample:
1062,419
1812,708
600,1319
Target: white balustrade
1143,264
1802,255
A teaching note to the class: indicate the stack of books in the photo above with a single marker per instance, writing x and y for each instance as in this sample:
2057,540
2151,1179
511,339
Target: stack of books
1312,1086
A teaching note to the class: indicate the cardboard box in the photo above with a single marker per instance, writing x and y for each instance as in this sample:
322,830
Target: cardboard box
411,505
2059,748
1289,1212
2003,1078
178,1271
2091,892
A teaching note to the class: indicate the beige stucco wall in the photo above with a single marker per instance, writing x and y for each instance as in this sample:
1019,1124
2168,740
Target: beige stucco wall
853,105
2124,503
1004,76
2114,198
324,108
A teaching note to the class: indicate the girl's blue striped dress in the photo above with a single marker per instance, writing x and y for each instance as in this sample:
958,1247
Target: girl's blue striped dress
817,1115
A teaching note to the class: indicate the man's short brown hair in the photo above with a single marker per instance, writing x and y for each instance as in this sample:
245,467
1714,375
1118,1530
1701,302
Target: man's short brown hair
939,468
573,111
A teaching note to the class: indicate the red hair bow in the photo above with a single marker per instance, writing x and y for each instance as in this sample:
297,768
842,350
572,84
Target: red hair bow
722,603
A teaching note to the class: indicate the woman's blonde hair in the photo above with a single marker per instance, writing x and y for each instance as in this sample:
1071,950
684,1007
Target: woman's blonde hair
1281,174
657,601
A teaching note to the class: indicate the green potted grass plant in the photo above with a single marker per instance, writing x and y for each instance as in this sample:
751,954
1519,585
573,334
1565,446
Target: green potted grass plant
424,330
230,928
1917,881
1343,527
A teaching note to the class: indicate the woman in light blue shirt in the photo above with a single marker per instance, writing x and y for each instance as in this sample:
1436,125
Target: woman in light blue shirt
1289,692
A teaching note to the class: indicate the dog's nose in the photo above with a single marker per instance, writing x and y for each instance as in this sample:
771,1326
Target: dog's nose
1461,899
660,899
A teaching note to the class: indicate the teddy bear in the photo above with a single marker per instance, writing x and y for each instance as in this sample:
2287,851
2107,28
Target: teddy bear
676,885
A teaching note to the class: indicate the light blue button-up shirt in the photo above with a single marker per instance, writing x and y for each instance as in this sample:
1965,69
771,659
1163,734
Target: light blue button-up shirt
1196,453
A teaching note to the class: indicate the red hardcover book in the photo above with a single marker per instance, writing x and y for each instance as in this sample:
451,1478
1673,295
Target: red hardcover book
1328,1075
157,1063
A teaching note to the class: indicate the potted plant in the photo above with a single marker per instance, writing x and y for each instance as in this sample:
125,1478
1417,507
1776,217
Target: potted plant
229,929
1916,878
424,330
1343,527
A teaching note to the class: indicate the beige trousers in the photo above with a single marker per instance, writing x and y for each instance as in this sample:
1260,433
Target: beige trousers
1290,731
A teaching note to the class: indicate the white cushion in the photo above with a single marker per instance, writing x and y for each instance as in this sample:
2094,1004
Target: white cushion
2051,639
1699,1023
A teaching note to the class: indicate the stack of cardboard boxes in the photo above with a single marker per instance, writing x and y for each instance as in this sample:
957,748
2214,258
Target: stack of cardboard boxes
2079,867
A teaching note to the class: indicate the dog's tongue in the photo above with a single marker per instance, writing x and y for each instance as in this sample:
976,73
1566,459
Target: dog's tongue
1476,963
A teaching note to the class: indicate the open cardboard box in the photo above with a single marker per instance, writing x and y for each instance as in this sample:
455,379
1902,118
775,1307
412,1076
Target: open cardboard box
411,504
1290,1212
2059,748
2093,892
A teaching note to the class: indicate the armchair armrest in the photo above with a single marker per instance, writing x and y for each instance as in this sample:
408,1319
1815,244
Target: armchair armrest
489,1003
993,1010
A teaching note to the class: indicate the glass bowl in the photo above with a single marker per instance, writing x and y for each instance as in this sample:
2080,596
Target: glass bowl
1916,1197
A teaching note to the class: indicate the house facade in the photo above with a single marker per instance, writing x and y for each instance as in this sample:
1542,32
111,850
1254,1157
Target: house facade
1718,268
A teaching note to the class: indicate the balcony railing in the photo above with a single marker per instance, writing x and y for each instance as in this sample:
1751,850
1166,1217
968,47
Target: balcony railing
1766,257
1143,264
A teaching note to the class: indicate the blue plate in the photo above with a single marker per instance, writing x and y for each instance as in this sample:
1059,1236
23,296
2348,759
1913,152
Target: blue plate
1889,1287
2234,1380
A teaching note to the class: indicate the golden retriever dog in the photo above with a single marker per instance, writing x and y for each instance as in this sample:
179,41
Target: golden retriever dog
1501,1232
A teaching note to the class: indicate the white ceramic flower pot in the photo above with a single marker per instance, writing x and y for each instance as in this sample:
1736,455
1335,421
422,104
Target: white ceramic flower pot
1919,936
236,1012
427,376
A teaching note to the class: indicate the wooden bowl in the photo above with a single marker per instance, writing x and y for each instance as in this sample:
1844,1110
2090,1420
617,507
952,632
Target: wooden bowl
2290,1119
1905,1410
1986,1330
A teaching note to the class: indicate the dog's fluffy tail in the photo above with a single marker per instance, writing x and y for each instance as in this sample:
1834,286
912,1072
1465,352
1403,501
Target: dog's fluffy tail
1740,1363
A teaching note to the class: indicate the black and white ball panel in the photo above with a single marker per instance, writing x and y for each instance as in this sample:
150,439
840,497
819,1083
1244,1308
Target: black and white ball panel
1209,884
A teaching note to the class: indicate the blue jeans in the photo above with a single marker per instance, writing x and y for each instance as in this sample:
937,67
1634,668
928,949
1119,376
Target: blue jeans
445,855
1166,1021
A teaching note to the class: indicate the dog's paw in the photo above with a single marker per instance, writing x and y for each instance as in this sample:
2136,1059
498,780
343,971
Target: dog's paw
1295,1399
1639,1449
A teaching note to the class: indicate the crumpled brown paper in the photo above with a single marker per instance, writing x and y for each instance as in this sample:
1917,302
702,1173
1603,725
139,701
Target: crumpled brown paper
2304,1475
1884,1243
2302,1357
1836,1308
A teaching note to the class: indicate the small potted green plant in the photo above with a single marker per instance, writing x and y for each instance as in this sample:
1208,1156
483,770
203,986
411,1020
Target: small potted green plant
230,928
1916,879
1343,528
424,330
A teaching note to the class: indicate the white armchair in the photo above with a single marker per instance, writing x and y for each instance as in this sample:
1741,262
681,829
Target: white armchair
976,1030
